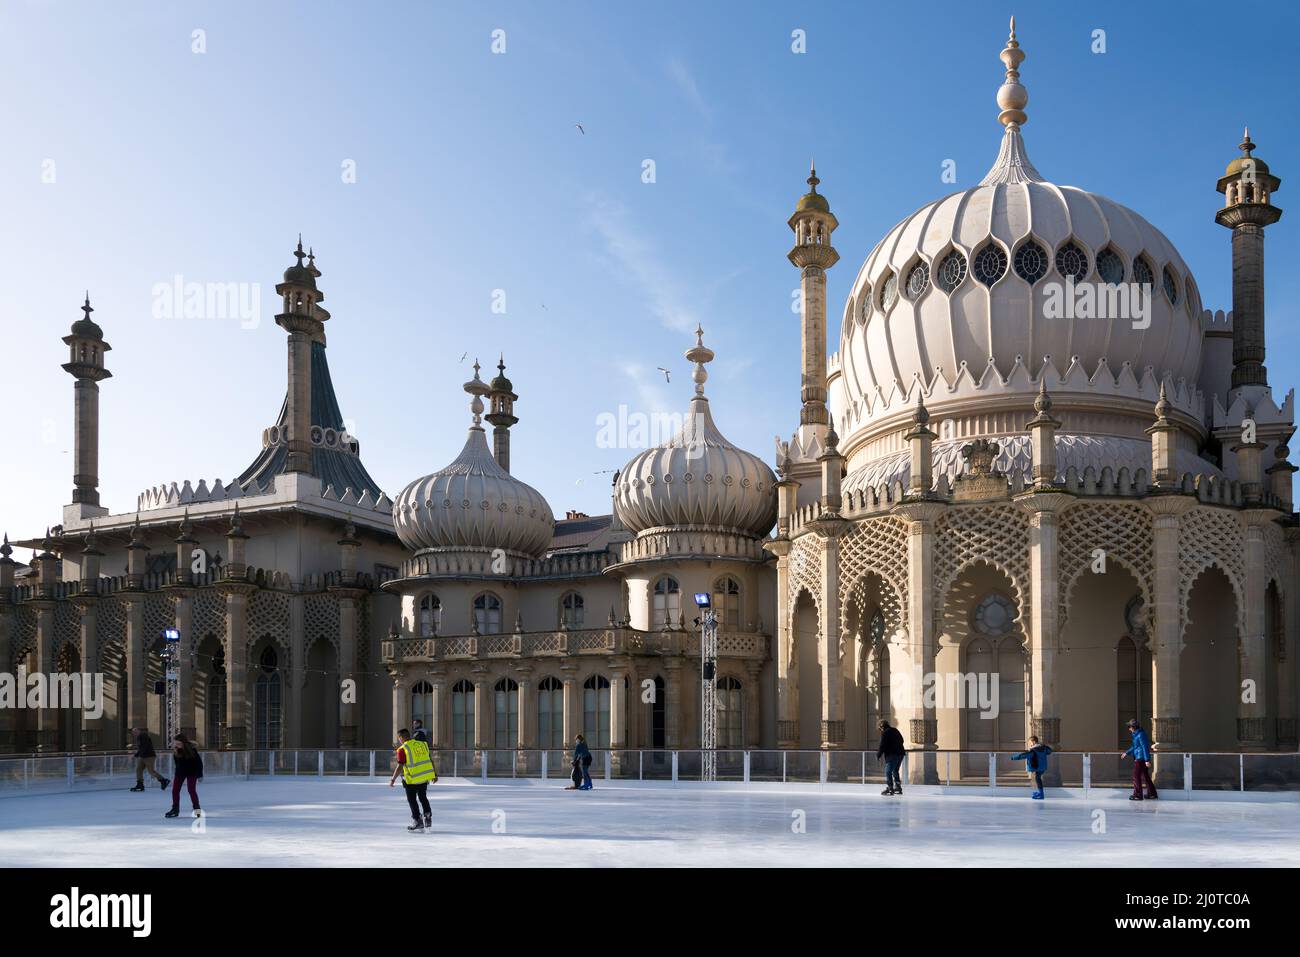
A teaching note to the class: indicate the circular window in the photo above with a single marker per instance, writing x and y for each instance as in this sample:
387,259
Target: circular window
889,292
990,264
1071,260
1142,274
951,271
1171,287
1110,267
994,615
1031,262
917,280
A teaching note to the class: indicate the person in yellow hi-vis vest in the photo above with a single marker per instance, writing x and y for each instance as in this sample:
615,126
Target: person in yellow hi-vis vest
415,765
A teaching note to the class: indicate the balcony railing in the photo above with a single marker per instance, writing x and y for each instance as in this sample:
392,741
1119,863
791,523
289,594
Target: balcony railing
612,640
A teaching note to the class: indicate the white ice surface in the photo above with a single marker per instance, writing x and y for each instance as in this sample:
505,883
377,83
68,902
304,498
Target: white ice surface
285,822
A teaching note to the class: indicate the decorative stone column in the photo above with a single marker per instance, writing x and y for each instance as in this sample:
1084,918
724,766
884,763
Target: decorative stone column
137,700
921,514
570,702
8,716
1254,718
295,684
350,712
481,703
439,726
1166,633
237,595
401,696
47,718
183,602
86,601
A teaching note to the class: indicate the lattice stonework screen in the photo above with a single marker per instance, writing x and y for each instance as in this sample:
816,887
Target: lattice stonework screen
1275,556
876,545
806,570
268,615
1123,532
996,534
209,616
321,619
24,634
1211,536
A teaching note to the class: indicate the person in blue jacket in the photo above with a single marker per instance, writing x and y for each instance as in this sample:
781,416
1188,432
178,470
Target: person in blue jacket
582,753
1035,764
1140,750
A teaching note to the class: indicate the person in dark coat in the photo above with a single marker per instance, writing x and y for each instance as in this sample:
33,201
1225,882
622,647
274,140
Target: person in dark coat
420,734
892,751
1035,759
1140,750
188,770
145,756
582,754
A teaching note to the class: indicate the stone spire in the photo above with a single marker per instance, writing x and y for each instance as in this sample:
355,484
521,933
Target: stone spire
501,413
303,319
1164,473
1012,164
1042,431
813,223
920,441
1247,187
86,348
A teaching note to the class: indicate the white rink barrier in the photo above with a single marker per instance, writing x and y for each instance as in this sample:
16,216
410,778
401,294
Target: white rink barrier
1206,775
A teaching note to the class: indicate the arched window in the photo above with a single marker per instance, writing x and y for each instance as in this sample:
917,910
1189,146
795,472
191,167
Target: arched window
951,271
422,705
667,608
572,611
1132,672
462,715
989,658
726,601
879,703
1071,260
267,702
216,704
487,614
595,711
1030,262
990,264
506,730
550,714
430,615
731,715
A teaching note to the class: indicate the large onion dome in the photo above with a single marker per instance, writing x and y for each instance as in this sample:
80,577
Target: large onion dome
473,503
697,478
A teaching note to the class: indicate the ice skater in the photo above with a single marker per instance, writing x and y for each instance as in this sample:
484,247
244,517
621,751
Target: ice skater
1035,758
1140,749
415,765
575,776
892,750
420,734
188,768
145,756
582,754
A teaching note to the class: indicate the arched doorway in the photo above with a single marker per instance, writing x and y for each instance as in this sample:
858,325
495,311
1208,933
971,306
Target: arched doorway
805,686
320,697
210,693
1209,667
68,662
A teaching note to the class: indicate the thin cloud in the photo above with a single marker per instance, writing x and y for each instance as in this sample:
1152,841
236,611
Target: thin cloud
639,261
681,75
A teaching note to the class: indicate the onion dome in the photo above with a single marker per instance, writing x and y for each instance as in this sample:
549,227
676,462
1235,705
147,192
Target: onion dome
298,273
697,479
813,199
473,503
85,326
973,279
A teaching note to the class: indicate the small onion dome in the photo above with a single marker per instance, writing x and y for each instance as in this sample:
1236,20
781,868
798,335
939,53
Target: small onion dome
473,503
298,273
697,478
813,199
499,382
85,326
1238,164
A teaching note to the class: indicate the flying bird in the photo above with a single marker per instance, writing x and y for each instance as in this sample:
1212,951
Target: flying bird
667,378
463,355
580,129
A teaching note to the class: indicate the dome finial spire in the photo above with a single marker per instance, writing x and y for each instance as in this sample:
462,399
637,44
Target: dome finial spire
699,354
477,388
1012,97
813,181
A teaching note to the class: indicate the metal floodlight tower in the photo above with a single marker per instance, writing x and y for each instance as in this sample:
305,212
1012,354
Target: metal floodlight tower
708,688
172,684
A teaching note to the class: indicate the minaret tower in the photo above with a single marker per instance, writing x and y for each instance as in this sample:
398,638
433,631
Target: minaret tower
813,253
303,318
1247,187
501,406
85,363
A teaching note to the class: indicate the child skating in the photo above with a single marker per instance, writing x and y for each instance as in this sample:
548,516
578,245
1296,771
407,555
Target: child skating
1035,764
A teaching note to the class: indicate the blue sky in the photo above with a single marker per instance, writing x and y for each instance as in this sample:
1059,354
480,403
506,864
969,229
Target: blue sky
471,176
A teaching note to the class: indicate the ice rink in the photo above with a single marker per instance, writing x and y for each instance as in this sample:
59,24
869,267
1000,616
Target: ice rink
286,822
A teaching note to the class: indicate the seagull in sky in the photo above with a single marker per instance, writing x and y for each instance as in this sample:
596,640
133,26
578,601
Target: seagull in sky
580,129
667,377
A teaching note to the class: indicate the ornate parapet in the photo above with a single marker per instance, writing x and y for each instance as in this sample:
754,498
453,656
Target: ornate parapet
566,644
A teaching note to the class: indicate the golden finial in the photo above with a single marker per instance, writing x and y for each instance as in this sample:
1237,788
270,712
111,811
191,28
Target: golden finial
1012,97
